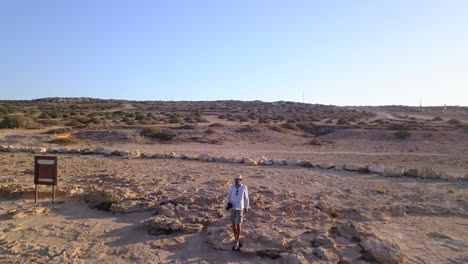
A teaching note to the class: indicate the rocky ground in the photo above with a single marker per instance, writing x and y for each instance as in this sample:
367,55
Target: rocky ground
172,211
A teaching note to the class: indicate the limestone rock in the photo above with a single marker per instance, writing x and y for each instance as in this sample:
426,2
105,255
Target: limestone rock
326,165
159,156
39,150
413,172
250,162
339,167
429,173
394,172
205,157
161,225
128,206
383,251
376,168
360,168
291,258
291,161
443,175
278,162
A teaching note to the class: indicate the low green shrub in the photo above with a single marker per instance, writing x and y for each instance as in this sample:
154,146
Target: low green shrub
157,133
402,134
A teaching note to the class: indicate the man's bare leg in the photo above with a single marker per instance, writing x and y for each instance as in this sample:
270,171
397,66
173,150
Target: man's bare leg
234,230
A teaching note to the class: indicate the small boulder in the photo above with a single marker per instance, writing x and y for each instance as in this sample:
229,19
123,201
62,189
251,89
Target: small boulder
250,162
326,165
443,175
171,155
205,157
291,161
339,166
429,173
383,251
413,173
39,150
394,172
376,168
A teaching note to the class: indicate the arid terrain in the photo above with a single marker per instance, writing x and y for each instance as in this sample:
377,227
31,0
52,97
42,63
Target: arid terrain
145,182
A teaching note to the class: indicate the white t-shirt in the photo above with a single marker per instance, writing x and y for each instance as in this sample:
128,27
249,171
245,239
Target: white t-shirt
239,197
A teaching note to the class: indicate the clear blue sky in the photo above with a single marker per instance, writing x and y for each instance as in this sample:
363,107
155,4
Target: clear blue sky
335,52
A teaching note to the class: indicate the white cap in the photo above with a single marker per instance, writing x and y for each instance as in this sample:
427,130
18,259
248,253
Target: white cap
238,177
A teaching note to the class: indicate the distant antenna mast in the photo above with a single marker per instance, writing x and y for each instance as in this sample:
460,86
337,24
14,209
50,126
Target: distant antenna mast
302,97
420,102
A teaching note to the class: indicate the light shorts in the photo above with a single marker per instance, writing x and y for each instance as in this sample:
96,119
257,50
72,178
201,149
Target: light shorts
236,216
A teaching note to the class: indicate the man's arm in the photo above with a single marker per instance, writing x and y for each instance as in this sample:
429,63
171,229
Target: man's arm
228,196
246,199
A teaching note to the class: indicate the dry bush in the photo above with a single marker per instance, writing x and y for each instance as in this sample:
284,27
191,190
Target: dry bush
402,134
398,127
157,133
316,142
278,129
210,131
74,123
18,122
454,122
50,122
290,126
217,125
65,130
248,129
189,126
437,118
343,121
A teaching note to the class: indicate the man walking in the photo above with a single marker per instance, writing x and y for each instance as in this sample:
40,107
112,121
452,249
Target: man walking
238,202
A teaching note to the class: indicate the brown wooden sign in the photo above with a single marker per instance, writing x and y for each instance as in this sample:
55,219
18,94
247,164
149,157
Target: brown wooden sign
45,173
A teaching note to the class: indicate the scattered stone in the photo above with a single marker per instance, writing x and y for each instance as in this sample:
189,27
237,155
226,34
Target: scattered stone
171,155
376,168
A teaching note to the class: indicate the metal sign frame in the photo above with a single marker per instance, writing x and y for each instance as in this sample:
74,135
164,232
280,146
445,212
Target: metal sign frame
45,173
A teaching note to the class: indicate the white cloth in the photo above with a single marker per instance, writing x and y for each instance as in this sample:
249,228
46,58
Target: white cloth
239,197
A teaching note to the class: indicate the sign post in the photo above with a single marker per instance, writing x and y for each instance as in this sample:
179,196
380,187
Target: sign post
45,173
